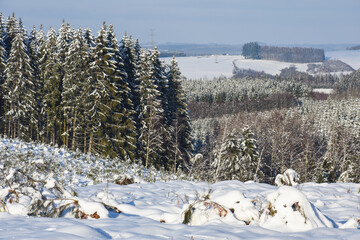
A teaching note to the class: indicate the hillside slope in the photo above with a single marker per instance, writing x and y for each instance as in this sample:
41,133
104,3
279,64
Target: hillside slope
159,210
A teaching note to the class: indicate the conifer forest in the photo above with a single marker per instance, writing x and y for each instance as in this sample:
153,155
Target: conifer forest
95,93
92,93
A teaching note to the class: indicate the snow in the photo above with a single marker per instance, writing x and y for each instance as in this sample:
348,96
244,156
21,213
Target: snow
209,67
288,178
351,57
324,90
222,210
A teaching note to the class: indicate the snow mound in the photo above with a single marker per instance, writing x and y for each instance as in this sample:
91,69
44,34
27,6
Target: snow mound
351,223
243,208
202,212
288,178
289,210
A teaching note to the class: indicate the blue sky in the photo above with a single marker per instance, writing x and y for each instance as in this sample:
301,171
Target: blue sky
202,21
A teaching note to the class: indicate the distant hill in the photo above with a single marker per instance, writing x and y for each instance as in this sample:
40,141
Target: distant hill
201,49
354,48
329,66
233,49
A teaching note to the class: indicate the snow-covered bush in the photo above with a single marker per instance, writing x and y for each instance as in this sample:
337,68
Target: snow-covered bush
225,206
244,209
202,212
288,178
288,209
23,195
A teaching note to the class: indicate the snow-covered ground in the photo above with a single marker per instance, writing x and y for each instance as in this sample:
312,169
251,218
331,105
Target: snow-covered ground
351,57
223,210
324,90
209,67
153,211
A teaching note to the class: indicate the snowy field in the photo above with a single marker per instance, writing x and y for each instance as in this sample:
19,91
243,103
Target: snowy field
350,57
145,206
209,67
158,210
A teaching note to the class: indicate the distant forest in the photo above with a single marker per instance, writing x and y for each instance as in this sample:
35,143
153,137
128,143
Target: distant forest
253,50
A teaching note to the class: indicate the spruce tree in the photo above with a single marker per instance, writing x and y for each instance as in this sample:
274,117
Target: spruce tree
130,55
41,120
151,115
120,126
178,119
159,78
100,89
227,162
12,26
18,88
52,87
250,162
63,41
73,96
32,51
2,78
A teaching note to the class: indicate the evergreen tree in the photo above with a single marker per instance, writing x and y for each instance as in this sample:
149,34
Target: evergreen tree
52,87
18,89
100,89
62,46
251,50
12,27
2,73
178,118
227,162
40,49
32,51
73,95
151,115
250,162
89,38
159,78
237,158
130,55
120,126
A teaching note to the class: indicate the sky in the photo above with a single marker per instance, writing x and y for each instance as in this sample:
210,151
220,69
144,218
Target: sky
202,21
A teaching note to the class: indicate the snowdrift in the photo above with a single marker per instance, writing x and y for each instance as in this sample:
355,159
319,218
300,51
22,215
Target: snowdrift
51,197
289,210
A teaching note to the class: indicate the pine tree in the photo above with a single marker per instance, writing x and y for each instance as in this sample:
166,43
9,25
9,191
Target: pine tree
41,120
159,78
32,51
2,73
151,115
100,89
18,88
227,162
73,96
52,87
178,118
130,55
11,29
250,162
120,126
62,45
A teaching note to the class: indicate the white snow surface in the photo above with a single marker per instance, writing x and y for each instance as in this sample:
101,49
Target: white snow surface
156,210
351,57
209,67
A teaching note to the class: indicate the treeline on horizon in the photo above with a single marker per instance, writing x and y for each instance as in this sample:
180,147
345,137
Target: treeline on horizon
93,94
284,54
